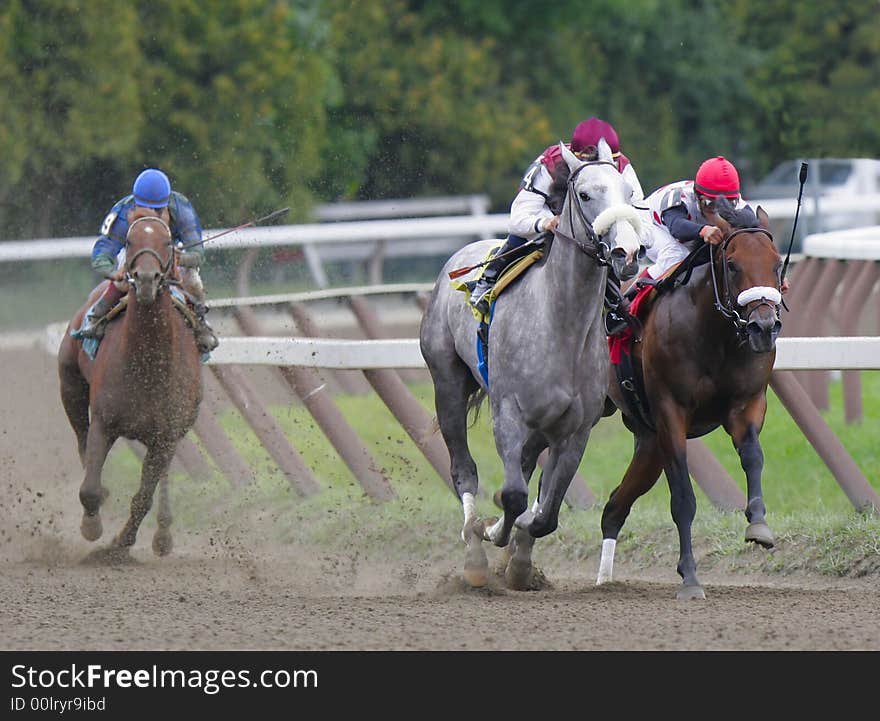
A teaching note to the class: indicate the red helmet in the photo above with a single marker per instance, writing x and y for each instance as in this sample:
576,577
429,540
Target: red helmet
717,176
587,134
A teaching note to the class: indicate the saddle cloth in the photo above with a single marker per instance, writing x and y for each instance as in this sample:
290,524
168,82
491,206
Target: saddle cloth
508,275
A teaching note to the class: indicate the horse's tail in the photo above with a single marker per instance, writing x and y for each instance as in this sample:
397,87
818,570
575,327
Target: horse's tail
475,400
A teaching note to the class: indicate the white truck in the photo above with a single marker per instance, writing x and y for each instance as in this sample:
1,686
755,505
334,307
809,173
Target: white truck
845,191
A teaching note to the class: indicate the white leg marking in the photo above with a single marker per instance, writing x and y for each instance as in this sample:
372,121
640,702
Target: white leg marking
606,562
467,503
495,531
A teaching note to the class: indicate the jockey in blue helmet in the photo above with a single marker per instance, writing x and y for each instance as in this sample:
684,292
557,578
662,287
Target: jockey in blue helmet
151,189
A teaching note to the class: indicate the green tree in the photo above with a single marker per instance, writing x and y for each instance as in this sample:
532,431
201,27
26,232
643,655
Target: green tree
422,110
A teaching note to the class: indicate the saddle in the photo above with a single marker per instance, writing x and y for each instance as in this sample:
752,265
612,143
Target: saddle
90,344
516,267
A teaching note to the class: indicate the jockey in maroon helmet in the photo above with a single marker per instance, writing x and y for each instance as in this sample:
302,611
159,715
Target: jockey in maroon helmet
535,209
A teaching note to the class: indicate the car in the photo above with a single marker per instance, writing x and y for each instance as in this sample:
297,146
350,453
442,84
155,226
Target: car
831,179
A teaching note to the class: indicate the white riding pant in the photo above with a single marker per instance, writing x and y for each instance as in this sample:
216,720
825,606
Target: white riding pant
665,251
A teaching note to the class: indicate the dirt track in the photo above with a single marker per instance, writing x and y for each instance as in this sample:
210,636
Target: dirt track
241,591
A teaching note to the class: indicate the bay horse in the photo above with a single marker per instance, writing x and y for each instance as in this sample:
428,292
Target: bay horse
145,382
547,362
704,359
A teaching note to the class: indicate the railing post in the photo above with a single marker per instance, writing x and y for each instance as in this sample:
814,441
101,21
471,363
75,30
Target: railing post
854,303
267,429
814,320
822,438
352,382
215,440
310,389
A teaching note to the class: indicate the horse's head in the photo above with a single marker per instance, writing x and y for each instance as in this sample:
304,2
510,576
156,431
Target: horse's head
747,275
149,255
598,200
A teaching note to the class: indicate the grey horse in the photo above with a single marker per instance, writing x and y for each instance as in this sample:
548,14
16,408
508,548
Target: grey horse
547,362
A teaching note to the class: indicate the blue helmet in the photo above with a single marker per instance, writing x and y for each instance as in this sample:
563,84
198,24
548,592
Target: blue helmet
152,189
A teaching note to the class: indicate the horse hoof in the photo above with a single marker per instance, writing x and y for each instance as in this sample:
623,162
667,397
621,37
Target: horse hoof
690,593
518,574
761,534
91,527
476,565
162,543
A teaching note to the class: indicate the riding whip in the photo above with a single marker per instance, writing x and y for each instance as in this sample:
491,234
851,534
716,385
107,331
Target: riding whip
258,221
458,272
802,177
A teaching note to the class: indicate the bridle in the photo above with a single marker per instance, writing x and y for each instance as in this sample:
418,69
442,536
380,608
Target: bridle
724,302
165,265
597,248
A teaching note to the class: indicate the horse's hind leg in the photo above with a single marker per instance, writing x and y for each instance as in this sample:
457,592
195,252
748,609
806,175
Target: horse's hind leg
155,468
454,385
683,504
641,475
92,493
162,541
75,399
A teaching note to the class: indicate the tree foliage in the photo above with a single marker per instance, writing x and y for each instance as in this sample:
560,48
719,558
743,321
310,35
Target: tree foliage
250,105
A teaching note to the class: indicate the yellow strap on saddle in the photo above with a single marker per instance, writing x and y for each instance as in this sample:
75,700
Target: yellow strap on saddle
508,275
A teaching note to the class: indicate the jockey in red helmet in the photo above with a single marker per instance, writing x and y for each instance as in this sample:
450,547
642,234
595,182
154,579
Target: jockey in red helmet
677,212
151,189
535,209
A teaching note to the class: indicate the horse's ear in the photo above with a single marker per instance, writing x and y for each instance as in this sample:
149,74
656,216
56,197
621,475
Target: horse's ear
605,151
763,218
570,158
715,218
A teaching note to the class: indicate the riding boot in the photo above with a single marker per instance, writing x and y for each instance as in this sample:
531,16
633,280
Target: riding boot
92,327
486,282
616,308
206,339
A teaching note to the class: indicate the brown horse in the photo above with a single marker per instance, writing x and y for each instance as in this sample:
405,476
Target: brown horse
704,360
144,384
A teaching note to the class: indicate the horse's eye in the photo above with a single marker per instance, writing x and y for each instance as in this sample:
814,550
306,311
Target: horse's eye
584,196
734,269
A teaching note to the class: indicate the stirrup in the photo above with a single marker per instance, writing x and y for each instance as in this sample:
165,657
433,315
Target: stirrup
93,324
482,303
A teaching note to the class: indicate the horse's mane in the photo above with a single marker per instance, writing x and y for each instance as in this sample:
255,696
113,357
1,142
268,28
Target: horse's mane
558,189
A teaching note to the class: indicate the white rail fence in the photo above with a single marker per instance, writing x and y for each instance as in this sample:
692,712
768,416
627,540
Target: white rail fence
830,353
414,236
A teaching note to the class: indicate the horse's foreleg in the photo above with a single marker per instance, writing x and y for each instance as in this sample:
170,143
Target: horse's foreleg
672,438
92,493
155,468
162,541
744,430
562,463
641,475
